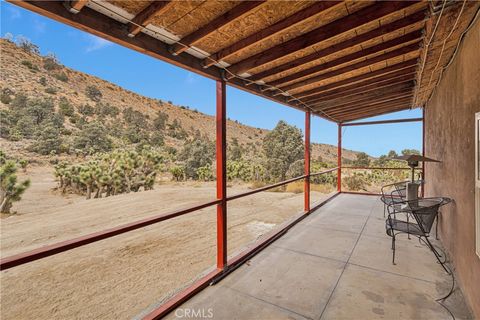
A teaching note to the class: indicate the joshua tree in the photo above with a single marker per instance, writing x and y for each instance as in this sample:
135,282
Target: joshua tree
10,189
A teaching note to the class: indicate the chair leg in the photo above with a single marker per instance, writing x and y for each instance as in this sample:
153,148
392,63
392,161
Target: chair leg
408,229
384,208
393,248
436,228
437,255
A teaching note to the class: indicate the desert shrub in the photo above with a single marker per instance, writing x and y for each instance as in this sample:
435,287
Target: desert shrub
178,173
175,130
160,122
111,173
107,110
26,45
195,154
5,96
39,109
86,110
5,123
51,90
93,93
14,134
48,140
29,65
355,182
62,76
50,62
10,189
296,169
135,118
239,170
362,160
43,81
235,150
65,107
205,173
135,135
19,102
23,164
26,127
157,139
93,138
282,146
406,152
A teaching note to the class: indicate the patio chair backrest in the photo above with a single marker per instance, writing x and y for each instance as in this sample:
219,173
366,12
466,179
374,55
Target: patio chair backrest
401,189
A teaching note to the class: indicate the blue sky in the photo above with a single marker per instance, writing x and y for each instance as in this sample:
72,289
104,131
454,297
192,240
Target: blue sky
154,78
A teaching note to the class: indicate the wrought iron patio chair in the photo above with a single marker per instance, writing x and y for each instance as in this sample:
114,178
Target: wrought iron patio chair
393,193
424,212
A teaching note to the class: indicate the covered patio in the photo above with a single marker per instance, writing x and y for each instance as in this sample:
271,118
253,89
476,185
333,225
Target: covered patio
342,61
334,264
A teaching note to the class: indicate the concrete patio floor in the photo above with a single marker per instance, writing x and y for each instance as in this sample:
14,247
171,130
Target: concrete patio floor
335,264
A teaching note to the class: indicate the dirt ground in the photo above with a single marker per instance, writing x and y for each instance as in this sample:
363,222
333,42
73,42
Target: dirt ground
121,277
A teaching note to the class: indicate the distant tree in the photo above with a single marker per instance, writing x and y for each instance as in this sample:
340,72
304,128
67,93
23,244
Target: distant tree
93,138
93,93
62,76
26,45
406,152
178,173
362,160
10,189
135,118
296,169
43,81
157,139
50,62
195,154
282,146
48,140
19,102
392,154
40,109
86,110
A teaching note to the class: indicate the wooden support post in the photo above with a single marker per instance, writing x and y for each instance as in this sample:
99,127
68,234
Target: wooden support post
307,162
221,148
339,159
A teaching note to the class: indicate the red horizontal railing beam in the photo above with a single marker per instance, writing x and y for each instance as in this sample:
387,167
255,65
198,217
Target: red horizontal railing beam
379,168
50,250
365,123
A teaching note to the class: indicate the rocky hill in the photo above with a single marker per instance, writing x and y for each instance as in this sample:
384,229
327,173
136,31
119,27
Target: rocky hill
27,72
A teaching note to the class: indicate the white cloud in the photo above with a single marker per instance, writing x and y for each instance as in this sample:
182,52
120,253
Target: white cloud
96,43
14,13
191,78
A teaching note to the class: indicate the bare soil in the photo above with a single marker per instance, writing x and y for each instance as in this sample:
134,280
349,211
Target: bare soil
121,277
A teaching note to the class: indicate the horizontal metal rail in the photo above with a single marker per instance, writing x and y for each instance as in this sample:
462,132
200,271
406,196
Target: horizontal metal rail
366,123
379,168
322,172
50,250
232,264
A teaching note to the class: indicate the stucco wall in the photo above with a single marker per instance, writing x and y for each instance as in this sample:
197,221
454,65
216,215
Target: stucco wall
450,129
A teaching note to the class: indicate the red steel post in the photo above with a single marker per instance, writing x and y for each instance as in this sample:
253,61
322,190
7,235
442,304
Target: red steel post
221,149
423,151
307,162
339,159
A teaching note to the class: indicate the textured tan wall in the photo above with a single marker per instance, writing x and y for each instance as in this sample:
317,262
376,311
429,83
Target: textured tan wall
450,130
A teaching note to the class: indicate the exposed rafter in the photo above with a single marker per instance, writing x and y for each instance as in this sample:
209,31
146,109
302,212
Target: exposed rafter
75,6
402,102
322,33
348,91
368,97
392,54
214,25
389,108
145,16
269,31
350,57
392,70
388,28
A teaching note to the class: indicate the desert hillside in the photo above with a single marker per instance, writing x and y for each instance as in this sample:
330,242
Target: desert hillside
27,73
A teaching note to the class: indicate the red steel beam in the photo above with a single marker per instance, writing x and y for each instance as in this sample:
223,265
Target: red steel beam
365,123
339,159
307,162
221,149
423,150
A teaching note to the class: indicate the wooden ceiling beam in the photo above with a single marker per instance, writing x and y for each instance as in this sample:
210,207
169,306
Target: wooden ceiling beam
269,31
377,108
375,104
377,112
215,24
369,94
75,6
144,17
359,88
415,35
392,54
369,77
388,28
322,33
